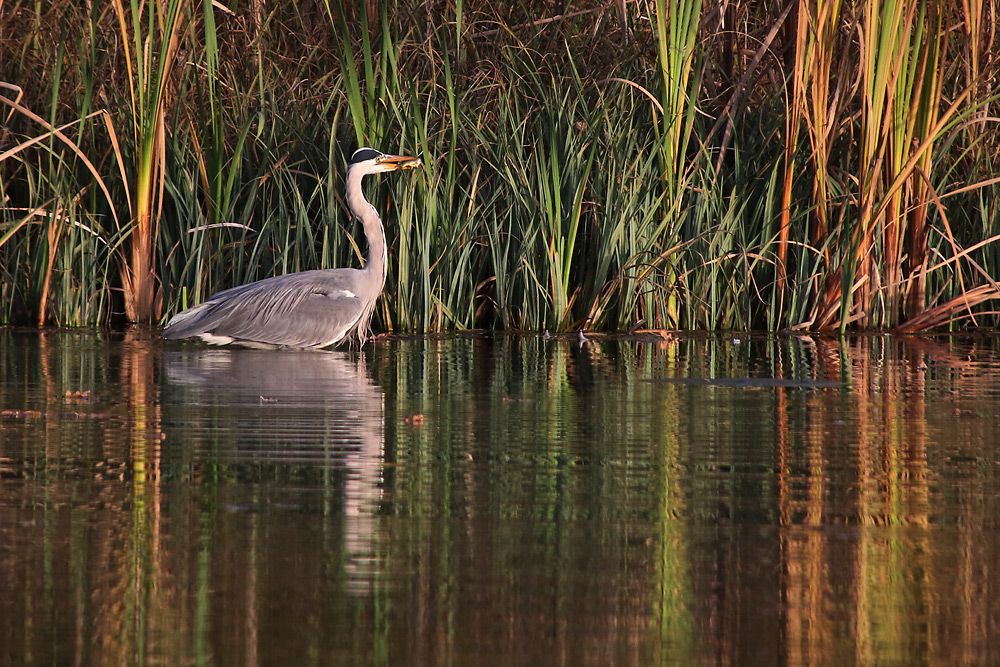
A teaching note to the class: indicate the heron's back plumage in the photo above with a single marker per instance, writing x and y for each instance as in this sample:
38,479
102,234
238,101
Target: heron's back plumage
307,309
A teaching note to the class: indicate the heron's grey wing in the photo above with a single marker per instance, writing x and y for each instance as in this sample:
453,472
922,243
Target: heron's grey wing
308,309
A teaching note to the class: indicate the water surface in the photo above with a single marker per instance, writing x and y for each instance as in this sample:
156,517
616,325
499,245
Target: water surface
500,500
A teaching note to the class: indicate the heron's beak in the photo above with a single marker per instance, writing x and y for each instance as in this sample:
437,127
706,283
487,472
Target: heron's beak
394,162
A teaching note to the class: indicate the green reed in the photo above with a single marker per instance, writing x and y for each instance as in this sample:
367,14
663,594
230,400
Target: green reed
568,183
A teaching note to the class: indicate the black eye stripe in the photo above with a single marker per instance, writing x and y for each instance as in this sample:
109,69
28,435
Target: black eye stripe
363,154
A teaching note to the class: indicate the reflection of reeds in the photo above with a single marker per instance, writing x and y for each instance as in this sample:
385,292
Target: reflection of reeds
578,497
894,442
577,177
144,582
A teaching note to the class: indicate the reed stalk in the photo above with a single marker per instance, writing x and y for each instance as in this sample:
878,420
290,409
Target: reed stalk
149,52
900,55
677,36
812,101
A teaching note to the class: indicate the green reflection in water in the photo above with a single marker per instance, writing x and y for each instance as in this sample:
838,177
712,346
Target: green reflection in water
499,501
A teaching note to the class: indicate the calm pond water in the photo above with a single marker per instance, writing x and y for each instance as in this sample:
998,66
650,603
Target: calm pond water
500,501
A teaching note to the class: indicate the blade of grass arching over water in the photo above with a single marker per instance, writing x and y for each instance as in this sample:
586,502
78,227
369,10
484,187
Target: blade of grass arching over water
57,181
58,133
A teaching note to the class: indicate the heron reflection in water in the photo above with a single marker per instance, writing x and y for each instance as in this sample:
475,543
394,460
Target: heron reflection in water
308,414
309,309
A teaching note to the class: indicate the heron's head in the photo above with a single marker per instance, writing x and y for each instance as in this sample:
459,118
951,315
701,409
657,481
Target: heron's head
371,161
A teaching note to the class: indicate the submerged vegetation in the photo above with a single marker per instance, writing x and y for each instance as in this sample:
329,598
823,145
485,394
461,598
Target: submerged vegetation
647,164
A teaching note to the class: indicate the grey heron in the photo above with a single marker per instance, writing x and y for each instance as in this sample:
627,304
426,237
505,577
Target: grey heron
309,309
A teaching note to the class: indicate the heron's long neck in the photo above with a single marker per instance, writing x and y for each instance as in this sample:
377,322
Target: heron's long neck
372,223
